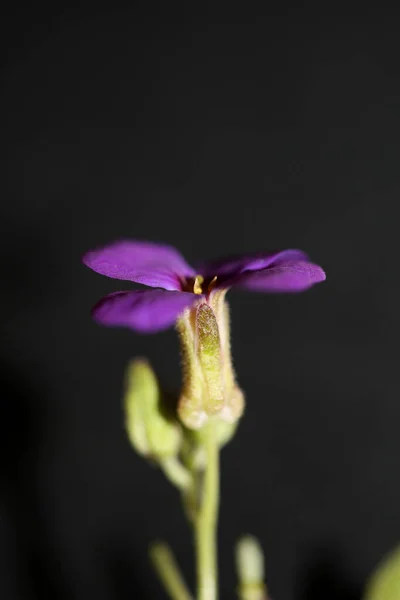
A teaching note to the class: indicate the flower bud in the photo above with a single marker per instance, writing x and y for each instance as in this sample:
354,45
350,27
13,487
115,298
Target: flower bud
384,584
250,568
209,386
151,430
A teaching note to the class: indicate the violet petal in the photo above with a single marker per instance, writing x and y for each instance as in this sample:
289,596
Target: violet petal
146,311
290,276
151,264
226,268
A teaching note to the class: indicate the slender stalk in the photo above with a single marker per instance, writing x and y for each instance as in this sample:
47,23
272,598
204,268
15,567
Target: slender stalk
190,499
206,521
176,473
168,571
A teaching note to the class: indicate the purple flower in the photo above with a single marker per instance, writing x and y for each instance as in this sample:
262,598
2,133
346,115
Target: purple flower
177,286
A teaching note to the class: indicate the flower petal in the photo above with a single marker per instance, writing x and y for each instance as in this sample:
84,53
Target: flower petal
151,264
290,276
227,268
143,310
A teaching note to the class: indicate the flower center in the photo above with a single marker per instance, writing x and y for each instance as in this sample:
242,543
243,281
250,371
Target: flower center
199,285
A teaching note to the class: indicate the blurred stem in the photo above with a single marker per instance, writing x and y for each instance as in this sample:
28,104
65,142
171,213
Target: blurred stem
206,520
168,571
190,498
177,474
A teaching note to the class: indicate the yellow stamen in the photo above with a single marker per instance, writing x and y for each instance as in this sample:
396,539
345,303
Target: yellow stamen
198,280
212,283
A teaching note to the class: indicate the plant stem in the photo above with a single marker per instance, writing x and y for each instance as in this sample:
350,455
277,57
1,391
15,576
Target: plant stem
176,473
206,520
168,571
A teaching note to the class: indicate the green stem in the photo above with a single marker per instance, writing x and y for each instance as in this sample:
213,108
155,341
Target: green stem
190,500
176,473
168,571
206,520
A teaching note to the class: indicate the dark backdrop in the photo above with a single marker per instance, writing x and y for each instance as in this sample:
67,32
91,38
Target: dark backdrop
219,132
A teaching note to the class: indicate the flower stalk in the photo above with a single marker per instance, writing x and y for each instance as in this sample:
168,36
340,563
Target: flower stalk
176,473
206,521
168,571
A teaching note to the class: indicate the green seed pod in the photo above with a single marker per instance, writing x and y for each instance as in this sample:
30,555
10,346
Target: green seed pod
151,430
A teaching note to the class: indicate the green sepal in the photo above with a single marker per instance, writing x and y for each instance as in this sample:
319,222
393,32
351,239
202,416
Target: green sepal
209,387
209,354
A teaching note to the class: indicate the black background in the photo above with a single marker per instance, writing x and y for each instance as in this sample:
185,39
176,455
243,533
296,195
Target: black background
219,131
